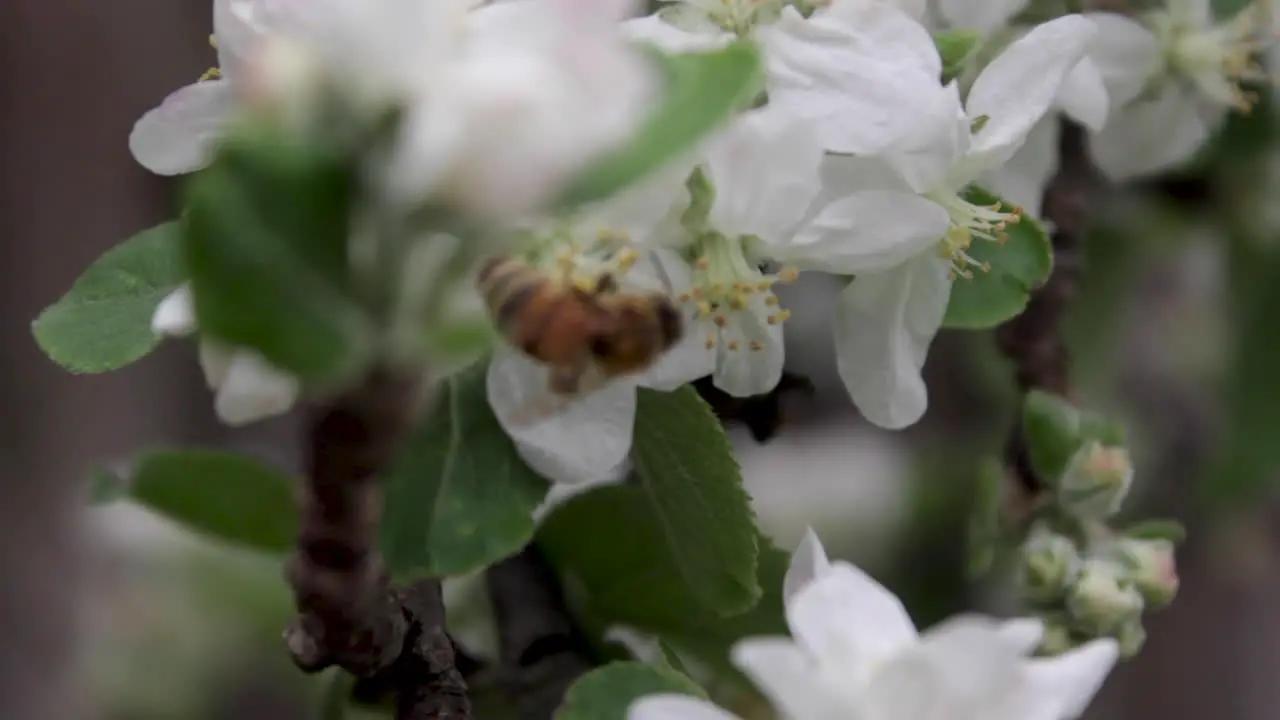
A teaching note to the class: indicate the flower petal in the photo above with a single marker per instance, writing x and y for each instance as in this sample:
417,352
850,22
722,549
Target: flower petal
855,70
1150,136
583,441
846,619
981,15
653,29
253,389
1022,180
764,168
791,679
1023,634
675,707
1019,86
927,155
808,563
867,232
690,359
176,314
1083,95
1125,53
177,137
1073,678
749,353
884,324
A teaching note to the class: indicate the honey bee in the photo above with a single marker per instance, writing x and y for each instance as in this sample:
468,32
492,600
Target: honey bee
585,333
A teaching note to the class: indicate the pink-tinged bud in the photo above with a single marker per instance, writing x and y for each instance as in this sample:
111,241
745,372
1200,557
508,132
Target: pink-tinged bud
1096,481
1152,568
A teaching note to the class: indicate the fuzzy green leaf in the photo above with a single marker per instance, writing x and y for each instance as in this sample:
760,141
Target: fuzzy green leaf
266,234
459,497
606,692
1052,429
630,574
1018,266
104,321
1171,530
702,90
686,468
226,496
955,47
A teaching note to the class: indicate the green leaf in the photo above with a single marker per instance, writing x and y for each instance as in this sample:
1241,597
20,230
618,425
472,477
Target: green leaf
629,574
1019,265
606,692
459,497
1052,429
104,321
686,468
230,497
702,90
265,235
986,523
1170,530
956,47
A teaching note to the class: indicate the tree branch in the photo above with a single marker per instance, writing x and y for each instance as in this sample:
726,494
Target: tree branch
348,614
540,649
1033,341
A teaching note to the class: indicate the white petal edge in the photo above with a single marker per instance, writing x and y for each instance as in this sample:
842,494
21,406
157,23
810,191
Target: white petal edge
1074,677
793,680
1023,634
675,707
808,563
1022,180
1020,85
884,324
584,440
175,316
253,390
1125,54
177,136
1083,96
867,232
1150,136
846,619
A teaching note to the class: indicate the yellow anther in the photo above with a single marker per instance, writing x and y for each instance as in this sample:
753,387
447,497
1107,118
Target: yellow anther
212,73
704,308
702,263
733,345
764,285
771,300
720,321
788,274
711,342
757,345
737,302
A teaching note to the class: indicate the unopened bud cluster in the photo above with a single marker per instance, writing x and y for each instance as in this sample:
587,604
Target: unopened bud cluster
1086,579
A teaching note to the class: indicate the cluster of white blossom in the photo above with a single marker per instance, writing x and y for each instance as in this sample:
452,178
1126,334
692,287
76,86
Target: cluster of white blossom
854,166
854,652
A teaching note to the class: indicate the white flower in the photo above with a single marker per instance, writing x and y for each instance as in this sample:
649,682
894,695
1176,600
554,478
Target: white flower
537,91
588,440
886,320
1172,79
769,205
850,68
854,652
247,387
177,136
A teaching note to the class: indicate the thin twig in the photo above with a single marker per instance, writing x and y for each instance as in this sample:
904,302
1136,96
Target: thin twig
541,650
348,614
1034,341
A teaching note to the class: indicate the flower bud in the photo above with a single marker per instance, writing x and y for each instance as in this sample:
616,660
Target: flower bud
1057,637
1049,565
1096,481
283,78
1131,636
1103,598
1152,568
